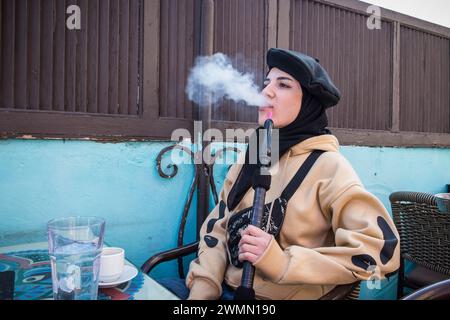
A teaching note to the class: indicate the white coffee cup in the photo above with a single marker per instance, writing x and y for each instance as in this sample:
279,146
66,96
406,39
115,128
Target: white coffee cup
112,262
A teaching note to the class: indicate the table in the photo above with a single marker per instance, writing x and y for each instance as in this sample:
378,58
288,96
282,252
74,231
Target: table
33,280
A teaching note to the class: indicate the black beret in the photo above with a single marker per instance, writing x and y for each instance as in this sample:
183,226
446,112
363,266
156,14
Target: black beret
308,71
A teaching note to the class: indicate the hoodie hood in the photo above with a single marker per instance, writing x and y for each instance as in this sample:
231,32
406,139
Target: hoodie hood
325,142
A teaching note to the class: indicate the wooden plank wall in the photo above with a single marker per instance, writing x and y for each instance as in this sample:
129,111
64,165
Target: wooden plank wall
47,67
357,59
424,82
395,79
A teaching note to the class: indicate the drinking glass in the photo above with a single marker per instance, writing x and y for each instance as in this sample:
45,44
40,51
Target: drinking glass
75,245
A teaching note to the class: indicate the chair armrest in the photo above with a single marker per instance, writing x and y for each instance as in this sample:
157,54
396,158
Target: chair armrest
436,291
168,255
409,196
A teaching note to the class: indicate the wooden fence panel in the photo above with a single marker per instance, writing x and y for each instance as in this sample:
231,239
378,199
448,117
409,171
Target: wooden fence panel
240,33
359,60
424,82
47,67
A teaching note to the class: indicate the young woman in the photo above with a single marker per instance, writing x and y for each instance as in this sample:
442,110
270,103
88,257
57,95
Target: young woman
318,232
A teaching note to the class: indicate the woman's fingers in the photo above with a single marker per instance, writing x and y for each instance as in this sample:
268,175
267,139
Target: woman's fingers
251,249
250,240
247,256
255,236
253,231
253,243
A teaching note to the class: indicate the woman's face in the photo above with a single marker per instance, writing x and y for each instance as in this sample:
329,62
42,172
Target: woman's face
284,97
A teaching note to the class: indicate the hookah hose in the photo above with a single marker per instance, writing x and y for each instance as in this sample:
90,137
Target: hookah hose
261,183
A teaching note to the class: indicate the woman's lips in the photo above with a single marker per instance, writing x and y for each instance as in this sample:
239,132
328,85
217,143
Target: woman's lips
266,109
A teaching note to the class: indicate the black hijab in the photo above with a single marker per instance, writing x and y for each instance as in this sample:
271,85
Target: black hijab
311,121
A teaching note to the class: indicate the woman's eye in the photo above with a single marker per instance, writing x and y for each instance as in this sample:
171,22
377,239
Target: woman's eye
283,85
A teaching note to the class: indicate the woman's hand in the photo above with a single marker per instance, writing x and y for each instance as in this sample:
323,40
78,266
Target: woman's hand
253,243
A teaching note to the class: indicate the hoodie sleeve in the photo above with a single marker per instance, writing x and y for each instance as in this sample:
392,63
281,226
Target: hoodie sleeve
366,240
206,273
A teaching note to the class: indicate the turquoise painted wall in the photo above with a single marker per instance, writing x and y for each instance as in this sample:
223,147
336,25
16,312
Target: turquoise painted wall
44,179
386,170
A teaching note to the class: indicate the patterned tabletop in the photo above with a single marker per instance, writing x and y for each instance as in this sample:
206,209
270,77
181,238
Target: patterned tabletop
33,280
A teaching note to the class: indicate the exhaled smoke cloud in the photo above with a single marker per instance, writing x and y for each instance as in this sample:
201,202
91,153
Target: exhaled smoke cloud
214,77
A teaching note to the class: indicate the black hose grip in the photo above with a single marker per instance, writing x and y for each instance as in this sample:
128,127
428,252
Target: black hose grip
261,181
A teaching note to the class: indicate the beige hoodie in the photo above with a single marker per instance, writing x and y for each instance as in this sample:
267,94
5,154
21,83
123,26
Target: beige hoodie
334,232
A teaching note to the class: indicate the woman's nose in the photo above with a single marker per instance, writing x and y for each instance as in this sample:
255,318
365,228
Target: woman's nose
268,91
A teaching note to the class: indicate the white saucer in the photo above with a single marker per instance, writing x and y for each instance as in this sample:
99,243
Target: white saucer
129,272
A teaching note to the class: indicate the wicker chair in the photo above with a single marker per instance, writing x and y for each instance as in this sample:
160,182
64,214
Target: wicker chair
424,239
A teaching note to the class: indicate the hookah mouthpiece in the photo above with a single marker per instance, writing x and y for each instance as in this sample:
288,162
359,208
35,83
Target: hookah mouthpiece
266,146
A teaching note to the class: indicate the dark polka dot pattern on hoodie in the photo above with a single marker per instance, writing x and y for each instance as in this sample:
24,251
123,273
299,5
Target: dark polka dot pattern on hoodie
390,241
363,261
212,222
210,241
